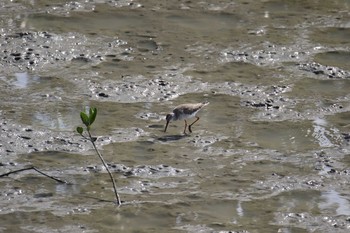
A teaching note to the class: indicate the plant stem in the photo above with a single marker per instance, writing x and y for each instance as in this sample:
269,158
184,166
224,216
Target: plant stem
109,172
35,169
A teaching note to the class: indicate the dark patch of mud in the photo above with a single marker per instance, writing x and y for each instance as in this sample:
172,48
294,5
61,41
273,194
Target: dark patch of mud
20,140
325,71
35,51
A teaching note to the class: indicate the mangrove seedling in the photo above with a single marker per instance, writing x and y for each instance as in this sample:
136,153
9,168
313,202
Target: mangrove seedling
88,120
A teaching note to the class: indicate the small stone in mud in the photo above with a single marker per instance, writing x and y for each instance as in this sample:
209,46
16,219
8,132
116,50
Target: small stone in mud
346,136
162,83
318,72
103,95
258,105
91,167
313,183
128,173
81,59
16,54
25,137
43,195
331,171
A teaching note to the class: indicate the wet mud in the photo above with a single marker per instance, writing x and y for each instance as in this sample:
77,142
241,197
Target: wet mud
269,154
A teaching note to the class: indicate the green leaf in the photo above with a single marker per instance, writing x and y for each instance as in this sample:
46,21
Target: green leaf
84,118
80,130
93,114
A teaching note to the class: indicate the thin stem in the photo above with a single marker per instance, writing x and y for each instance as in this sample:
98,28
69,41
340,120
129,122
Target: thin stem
51,177
109,172
35,169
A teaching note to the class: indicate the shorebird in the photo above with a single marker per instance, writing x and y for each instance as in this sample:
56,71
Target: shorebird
183,112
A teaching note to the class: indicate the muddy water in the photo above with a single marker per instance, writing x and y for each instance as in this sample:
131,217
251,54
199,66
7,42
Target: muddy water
269,154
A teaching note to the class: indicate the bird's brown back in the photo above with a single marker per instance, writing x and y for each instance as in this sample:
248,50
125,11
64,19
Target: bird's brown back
188,108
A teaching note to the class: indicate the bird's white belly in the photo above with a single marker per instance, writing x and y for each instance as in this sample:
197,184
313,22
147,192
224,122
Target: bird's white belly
186,116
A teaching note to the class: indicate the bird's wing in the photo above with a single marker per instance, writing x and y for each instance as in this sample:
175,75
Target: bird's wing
189,109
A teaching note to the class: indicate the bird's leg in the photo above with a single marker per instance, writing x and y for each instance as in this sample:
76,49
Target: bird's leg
189,127
185,127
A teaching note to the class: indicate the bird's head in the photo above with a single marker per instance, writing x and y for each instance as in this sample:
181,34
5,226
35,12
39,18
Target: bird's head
169,116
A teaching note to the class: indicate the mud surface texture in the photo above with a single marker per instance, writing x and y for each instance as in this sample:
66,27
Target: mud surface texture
270,152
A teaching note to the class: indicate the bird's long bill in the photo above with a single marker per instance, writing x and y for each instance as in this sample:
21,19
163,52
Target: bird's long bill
166,126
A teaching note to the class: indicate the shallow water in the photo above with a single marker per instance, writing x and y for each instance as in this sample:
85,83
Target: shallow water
269,154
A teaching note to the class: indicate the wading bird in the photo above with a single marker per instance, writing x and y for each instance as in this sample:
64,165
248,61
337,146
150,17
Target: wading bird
183,112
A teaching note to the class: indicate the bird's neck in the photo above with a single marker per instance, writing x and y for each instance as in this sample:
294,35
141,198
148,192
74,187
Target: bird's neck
174,117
